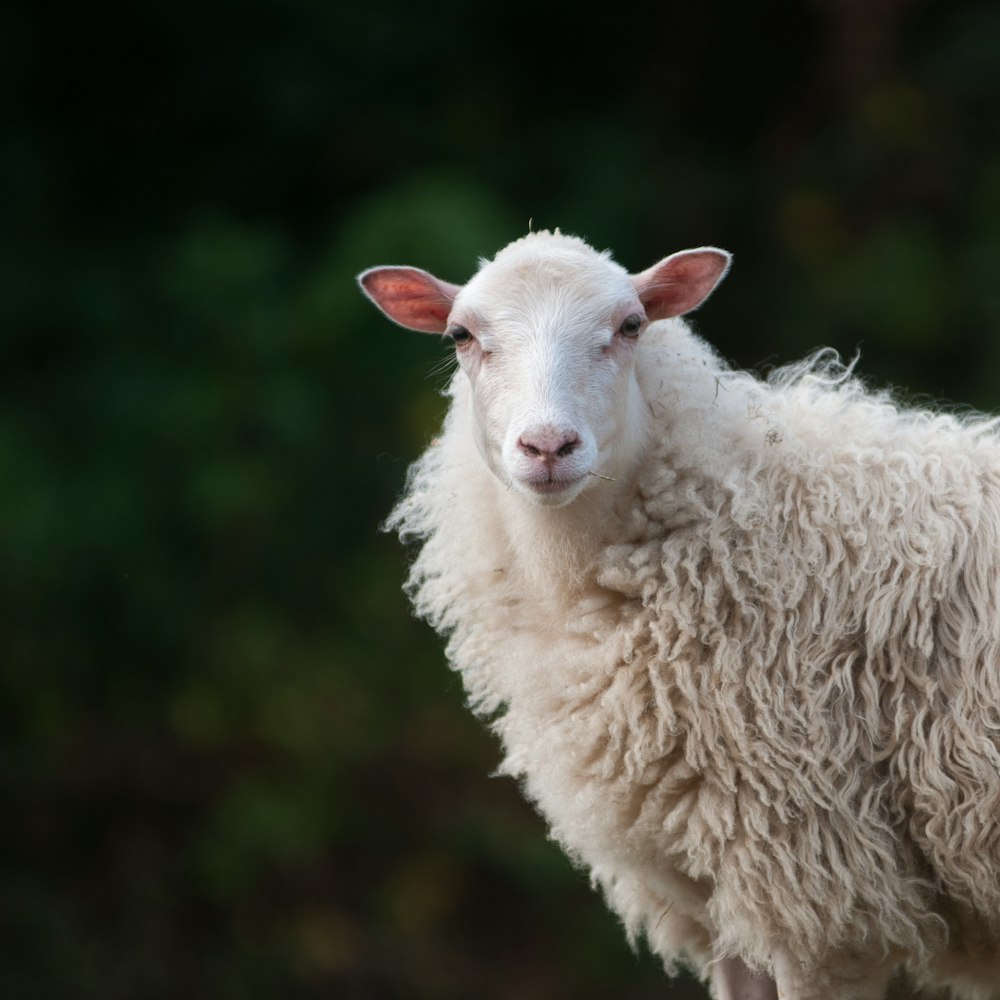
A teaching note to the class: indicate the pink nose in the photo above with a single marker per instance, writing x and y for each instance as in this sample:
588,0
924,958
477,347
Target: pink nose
548,444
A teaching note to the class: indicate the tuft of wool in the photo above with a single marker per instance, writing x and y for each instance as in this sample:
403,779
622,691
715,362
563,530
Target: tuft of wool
756,692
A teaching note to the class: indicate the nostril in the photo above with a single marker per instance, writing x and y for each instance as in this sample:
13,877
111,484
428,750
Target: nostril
568,448
532,450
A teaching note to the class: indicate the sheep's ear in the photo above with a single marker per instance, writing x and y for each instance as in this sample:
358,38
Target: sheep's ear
681,282
411,297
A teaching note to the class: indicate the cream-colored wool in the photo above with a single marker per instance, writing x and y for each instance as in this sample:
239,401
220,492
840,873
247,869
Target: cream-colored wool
752,681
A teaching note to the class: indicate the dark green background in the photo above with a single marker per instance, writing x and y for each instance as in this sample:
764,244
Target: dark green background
232,765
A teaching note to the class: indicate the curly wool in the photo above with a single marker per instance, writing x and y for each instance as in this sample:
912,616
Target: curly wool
757,693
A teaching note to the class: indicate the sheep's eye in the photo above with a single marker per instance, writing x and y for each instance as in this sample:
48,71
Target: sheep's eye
459,334
631,326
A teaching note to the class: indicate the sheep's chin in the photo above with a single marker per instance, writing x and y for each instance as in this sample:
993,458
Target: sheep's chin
550,494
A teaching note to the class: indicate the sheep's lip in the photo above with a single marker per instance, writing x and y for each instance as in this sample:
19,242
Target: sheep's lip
552,487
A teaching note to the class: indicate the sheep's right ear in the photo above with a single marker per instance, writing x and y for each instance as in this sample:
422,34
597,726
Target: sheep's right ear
410,297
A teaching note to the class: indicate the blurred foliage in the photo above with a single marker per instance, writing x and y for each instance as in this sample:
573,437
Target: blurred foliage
233,764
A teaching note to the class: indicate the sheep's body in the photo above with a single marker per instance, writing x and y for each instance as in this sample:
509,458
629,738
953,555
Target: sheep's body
753,684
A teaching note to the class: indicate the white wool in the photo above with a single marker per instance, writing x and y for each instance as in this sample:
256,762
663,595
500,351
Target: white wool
752,684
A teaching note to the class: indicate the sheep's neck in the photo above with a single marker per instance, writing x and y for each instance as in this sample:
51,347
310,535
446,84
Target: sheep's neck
556,549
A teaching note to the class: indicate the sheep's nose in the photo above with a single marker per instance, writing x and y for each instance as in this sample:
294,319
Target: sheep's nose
547,444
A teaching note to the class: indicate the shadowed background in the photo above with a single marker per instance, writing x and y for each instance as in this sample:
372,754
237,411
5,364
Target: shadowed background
232,764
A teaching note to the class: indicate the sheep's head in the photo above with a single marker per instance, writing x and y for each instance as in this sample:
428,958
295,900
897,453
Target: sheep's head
546,333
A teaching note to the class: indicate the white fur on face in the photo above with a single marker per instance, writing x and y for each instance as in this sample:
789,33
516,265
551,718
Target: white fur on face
552,379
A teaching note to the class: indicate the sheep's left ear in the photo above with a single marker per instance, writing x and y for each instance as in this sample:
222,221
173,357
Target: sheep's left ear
681,282
410,296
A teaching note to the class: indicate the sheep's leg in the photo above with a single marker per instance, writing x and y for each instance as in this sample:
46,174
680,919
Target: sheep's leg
733,980
847,977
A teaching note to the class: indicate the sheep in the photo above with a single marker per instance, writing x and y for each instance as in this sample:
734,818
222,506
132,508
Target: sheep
739,637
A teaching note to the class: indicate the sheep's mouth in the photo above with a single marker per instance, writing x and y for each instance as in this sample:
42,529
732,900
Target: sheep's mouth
552,491
552,485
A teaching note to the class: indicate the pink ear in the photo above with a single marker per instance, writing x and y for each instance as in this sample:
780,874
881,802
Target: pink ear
411,297
680,282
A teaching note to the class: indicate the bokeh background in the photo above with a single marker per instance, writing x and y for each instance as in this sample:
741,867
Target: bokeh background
232,765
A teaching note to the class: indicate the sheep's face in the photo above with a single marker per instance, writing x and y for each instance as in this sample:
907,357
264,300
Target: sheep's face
548,345
546,335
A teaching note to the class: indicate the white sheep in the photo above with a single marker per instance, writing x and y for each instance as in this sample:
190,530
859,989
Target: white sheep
740,639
